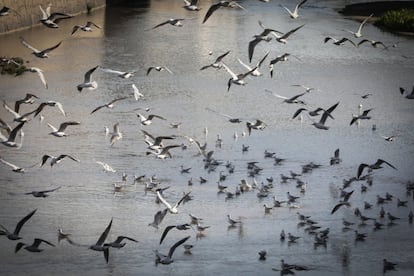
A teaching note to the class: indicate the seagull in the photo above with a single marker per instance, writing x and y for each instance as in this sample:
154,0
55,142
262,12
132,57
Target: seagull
118,242
224,4
124,75
137,94
375,166
387,265
164,259
184,226
50,20
307,89
15,235
263,36
145,121
291,100
36,52
276,60
172,21
158,217
256,72
15,168
32,248
56,160
358,33
373,43
42,193
260,125
363,116
52,104
5,11
164,152
28,99
108,105
116,135
230,118
236,79
321,123
344,202
17,117
217,63
311,113
86,28
232,222
159,69
408,95
191,6
339,41
99,245
88,83
294,14
106,167
60,132
335,159
10,141
155,144
171,209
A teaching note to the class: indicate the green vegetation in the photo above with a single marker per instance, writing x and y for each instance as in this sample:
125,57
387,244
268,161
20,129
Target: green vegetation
398,20
12,66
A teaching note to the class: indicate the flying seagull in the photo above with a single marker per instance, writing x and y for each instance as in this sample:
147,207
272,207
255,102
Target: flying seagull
51,20
171,209
86,28
294,14
358,33
291,100
159,69
237,79
148,120
259,125
158,217
276,60
10,141
137,94
108,105
121,74
34,247
217,63
375,166
407,95
191,5
61,131
88,83
363,116
28,99
372,42
325,115
51,104
172,21
118,242
263,36
99,245
116,135
256,72
56,160
167,229
164,259
164,152
15,168
39,53
219,4
338,41
15,235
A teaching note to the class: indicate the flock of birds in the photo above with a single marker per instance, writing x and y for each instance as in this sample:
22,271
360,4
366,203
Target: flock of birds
12,137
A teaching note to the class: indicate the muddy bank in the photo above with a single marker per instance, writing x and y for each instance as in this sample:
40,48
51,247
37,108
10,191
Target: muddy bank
377,8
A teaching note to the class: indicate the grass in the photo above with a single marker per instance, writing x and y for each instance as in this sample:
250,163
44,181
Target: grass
398,20
12,68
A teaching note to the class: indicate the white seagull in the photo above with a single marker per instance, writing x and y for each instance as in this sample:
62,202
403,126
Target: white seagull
294,14
137,94
50,20
172,209
15,168
237,79
121,74
86,28
56,160
256,72
61,131
116,135
358,33
108,105
36,52
88,83
148,120
10,141
159,69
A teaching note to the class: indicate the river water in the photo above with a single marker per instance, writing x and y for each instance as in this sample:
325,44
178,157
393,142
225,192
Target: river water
86,201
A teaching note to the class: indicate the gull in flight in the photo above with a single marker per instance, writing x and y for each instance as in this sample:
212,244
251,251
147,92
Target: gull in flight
52,104
10,141
106,167
167,229
39,72
61,131
99,245
338,41
276,60
325,115
260,125
291,100
294,14
88,83
256,72
17,117
191,6
164,152
217,63
172,21
358,33
363,116
51,20
15,234
148,120
36,52
158,217
172,209
372,42
42,193
263,36
375,166
86,28
34,247
237,79
283,38
124,75
15,168
116,135
307,89
164,259
28,99
137,94
118,242
155,144
159,69
407,95
108,105
56,160
219,4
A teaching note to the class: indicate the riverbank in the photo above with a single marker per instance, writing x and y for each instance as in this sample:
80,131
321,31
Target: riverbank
26,14
393,16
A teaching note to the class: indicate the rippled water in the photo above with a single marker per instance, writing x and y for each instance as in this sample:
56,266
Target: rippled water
86,202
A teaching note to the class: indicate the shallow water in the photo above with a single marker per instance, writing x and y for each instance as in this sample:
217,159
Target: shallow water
86,202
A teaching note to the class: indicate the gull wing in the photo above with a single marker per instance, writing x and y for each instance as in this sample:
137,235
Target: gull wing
13,133
165,232
52,127
14,113
40,74
52,48
286,35
363,23
177,244
111,71
27,45
233,75
23,221
163,200
89,73
211,10
276,95
14,167
104,234
63,126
